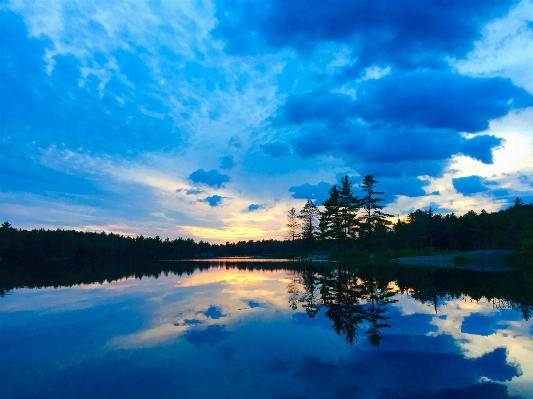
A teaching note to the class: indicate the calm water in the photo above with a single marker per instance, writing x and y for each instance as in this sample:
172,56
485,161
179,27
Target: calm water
231,329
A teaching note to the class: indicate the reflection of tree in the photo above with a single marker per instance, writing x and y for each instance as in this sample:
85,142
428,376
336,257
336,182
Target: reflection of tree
377,295
293,289
430,292
312,302
340,295
347,298
526,311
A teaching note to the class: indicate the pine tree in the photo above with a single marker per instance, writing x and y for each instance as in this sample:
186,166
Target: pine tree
331,219
339,220
293,223
309,215
349,207
372,214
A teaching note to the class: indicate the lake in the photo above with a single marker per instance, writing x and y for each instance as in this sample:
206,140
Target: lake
263,329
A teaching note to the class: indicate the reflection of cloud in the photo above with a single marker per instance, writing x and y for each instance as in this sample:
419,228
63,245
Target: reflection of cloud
214,276
428,372
190,322
210,336
147,338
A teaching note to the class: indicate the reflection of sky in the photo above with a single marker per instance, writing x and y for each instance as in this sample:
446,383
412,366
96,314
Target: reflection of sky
232,333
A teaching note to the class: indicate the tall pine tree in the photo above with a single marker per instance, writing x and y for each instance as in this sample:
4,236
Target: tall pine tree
339,220
372,214
293,224
309,215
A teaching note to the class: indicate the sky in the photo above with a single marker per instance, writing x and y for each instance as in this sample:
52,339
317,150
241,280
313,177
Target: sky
210,120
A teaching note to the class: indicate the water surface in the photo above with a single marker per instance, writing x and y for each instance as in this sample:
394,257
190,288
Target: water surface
229,329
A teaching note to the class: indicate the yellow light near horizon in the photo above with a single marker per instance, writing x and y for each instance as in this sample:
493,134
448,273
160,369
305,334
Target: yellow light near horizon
230,233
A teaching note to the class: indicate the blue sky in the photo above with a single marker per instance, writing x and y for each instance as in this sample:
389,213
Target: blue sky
211,119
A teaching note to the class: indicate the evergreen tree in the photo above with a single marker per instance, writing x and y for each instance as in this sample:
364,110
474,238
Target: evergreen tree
331,219
372,214
349,207
339,220
309,215
293,223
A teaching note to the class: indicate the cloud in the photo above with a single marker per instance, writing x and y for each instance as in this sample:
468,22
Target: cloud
375,32
212,178
525,179
377,150
318,106
213,200
255,207
408,186
190,191
211,336
213,312
431,99
318,192
443,100
227,162
469,185
235,141
276,149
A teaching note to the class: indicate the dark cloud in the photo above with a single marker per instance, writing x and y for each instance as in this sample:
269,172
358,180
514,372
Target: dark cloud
439,100
311,142
276,149
408,186
469,185
480,147
318,192
413,35
213,200
227,162
435,100
212,178
395,152
213,312
211,336
255,207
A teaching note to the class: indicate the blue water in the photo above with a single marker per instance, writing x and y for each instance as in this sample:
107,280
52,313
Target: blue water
235,333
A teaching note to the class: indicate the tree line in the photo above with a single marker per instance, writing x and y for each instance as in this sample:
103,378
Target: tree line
18,245
346,218
350,222
346,222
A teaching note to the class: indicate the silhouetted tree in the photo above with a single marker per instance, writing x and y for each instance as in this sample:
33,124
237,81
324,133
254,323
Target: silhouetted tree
372,214
309,216
293,224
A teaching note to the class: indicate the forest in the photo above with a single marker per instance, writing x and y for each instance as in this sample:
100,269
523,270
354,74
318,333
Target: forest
347,223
